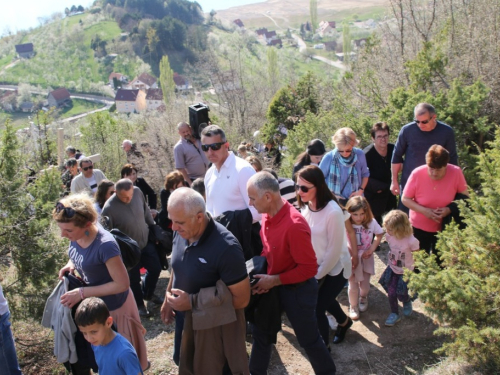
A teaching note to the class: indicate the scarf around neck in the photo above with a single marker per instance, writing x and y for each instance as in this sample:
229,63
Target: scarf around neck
341,186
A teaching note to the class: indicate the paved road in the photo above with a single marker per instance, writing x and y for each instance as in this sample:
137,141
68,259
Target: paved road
303,48
108,102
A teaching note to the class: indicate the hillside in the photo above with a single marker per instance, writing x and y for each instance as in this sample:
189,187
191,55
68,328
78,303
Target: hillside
290,13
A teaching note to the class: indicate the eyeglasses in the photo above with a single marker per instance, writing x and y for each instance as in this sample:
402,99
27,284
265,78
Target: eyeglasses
304,189
213,146
382,136
87,168
425,122
68,211
345,151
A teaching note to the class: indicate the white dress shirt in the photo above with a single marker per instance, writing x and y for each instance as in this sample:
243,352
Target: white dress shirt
226,190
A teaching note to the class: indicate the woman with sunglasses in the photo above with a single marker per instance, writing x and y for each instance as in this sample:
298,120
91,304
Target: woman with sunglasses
95,255
328,235
345,169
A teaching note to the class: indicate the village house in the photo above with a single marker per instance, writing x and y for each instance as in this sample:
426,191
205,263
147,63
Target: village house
154,99
59,97
270,35
119,77
128,101
26,107
181,83
276,43
144,81
239,23
326,28
25,51
261,31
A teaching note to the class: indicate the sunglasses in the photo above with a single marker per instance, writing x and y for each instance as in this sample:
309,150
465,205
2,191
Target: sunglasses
68,211
425,122
213,146
303,188
345,151
87,168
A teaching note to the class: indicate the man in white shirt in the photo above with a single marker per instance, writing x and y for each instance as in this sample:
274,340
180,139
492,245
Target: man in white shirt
89,179
226,180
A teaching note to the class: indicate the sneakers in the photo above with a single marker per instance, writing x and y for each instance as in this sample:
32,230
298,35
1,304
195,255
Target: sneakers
155,299
392,319
332,322
143,311
341,331
354,312
363,304
407,308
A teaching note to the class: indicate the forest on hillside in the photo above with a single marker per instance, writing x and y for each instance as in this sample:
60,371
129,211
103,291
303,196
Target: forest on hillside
445,52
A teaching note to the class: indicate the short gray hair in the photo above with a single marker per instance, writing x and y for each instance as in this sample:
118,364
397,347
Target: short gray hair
84,160
71,149
128,142
264,182
182,124
191,201
423,108
212,131
123,185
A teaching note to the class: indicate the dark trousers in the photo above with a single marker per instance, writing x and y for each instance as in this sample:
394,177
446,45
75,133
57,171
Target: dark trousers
327,301
299,303
179,327
151,262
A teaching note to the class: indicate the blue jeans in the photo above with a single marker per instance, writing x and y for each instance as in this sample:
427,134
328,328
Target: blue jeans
299,303
151,262
8,356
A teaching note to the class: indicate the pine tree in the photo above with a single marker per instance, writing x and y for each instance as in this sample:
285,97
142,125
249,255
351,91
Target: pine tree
28,243
464,296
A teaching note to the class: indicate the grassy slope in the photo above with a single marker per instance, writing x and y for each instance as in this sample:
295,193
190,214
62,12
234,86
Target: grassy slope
295,21
63,52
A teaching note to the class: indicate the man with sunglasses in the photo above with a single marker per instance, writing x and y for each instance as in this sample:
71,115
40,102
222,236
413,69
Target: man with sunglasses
413,142
190,160
88,179
226,180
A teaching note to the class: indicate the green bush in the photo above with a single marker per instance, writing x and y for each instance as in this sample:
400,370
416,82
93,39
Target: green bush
464,296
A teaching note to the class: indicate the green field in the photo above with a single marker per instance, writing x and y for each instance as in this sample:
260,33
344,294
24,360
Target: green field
78,107
21,120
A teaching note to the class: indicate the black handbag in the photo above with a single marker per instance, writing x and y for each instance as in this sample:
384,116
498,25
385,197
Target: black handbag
131,253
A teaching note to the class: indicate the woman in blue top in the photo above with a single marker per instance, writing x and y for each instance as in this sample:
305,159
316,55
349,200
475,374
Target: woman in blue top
345,169
95,255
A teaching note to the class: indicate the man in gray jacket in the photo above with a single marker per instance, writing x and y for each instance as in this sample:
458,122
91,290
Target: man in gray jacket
128,211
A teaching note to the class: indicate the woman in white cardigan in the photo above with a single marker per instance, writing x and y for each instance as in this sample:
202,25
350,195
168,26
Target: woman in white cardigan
326,219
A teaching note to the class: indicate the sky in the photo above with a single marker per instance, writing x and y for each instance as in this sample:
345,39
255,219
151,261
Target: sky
23,14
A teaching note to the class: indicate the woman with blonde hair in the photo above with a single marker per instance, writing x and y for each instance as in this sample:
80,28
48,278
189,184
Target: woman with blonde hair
255,163
95,255
345,169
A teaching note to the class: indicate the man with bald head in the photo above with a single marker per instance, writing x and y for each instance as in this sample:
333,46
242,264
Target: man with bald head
204,252
291,267
128,211
189,159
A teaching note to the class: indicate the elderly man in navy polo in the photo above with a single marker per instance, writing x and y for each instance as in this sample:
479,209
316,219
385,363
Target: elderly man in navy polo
414,140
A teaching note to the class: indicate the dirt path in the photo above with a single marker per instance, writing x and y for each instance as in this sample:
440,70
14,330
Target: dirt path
369,348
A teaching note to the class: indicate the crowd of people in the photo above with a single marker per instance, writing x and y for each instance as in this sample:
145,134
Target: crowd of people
248,245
